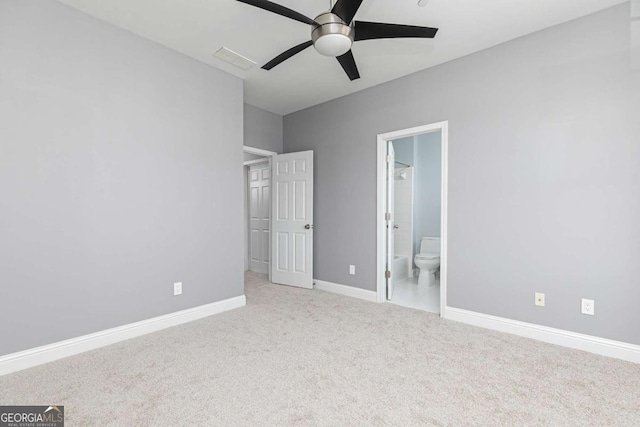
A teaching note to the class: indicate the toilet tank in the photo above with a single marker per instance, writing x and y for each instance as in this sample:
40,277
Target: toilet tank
430,245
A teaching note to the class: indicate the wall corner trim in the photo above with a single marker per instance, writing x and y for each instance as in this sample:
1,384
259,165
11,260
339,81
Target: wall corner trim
345,290
48,353
591,344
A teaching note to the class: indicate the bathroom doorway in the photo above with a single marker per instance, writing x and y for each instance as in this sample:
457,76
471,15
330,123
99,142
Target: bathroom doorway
412,206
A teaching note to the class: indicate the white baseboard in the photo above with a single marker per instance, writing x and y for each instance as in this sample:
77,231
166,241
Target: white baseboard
348,291
48,353
602,346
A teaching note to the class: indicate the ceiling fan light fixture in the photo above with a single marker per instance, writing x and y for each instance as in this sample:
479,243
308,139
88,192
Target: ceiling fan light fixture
331,37
333,44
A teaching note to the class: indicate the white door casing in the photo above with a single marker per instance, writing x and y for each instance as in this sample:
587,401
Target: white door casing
292,219
390,217
381,247
259,180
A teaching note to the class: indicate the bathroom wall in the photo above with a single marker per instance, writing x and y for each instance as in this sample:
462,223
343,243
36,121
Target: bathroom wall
404,150
427,198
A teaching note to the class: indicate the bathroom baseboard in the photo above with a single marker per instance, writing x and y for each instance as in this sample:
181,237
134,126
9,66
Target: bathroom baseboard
48,353
348,291
591,344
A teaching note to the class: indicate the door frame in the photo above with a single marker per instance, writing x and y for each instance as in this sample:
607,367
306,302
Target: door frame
245,170
258,151
382,140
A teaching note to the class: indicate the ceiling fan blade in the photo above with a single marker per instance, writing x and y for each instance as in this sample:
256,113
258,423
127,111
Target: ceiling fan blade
346,9
280,10
378,30
286,55
349,65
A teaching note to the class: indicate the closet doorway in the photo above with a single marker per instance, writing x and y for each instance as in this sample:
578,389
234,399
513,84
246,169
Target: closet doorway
278,206
257,208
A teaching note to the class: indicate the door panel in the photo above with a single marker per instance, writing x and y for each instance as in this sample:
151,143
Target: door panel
299,265
265,206
254,253
282,198
283,168
259,212
293,219
299,200
254,202
282,253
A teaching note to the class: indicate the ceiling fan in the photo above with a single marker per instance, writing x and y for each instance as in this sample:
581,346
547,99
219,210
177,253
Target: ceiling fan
333,32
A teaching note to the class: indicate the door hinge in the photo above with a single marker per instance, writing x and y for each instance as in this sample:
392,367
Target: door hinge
387,216
387,274
388,159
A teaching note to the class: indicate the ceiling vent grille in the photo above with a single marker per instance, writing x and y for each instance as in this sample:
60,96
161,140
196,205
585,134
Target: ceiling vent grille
235,59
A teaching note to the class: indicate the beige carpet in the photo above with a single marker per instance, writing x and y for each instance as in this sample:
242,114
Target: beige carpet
298,357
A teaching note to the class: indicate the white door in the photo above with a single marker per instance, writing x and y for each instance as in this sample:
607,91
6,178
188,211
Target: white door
292,219
390,217
259,212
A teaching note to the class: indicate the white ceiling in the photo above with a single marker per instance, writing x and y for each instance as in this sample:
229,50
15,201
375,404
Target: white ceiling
198,28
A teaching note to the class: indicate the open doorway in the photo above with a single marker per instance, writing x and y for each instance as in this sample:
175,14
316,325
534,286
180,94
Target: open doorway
257,209
412,206
278,206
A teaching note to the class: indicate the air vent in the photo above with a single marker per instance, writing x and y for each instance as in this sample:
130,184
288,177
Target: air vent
237,60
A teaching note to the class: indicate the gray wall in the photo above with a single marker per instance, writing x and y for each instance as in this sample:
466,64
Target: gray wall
262,129
116,155
543,181
427,187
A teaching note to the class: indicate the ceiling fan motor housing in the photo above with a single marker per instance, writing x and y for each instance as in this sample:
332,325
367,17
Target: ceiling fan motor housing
332,36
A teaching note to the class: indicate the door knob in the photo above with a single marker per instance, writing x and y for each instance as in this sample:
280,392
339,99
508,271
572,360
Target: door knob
396,226
308,226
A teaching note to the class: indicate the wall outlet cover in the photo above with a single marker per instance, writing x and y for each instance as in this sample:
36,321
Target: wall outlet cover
539,301
352,270
588,307
177,288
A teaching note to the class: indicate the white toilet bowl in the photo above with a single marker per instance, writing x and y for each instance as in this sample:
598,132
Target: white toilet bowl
428,265
428,260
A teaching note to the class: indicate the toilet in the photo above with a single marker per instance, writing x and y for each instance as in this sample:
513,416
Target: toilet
428,260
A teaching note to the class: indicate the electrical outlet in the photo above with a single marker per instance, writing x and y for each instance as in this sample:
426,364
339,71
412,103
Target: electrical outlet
539,299
588,307
352,270
177,288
